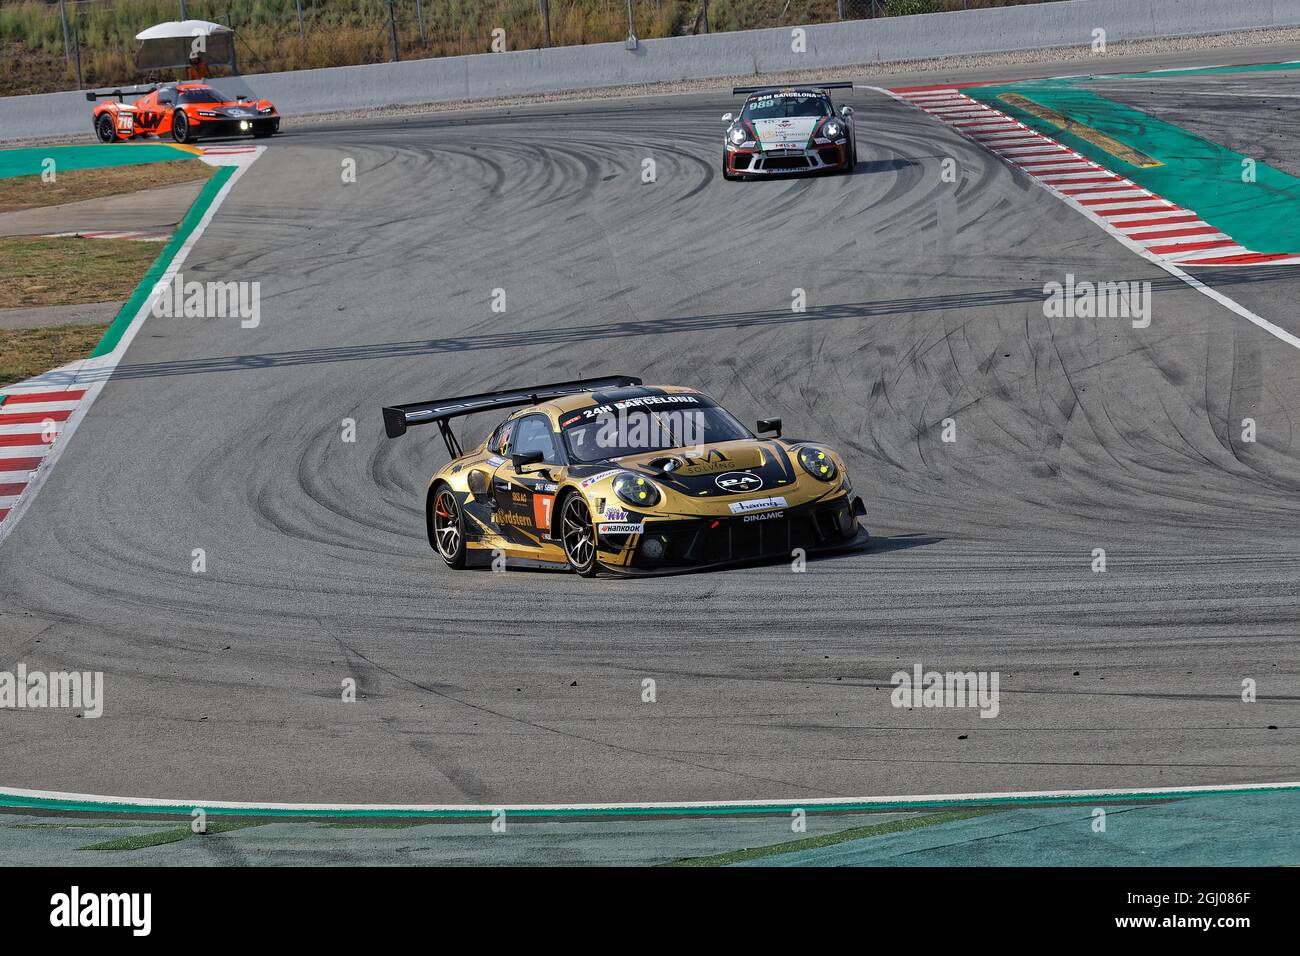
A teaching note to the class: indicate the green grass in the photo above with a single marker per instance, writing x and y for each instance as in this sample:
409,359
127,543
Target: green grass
171,835
831,839
160,838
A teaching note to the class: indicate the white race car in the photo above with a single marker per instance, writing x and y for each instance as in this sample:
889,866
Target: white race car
788,129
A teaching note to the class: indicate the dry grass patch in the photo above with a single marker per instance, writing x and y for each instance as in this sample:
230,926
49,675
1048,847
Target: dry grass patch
74,185
28,352
67,270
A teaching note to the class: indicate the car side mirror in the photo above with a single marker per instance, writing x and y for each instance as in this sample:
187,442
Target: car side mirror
766,425
527,458
726,118
846,110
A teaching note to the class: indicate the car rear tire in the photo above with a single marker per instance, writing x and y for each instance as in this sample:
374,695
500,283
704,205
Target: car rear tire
182,132
579,536
104,129
447,528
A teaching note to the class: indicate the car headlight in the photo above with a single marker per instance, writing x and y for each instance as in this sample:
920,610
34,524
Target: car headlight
818,464
833,130
264,110
207,113
736,135
636,490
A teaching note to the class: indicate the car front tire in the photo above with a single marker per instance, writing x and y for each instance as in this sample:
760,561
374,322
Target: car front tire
578,533
182,130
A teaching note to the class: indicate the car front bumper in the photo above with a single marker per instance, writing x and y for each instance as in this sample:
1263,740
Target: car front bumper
243,126
782,162
676,545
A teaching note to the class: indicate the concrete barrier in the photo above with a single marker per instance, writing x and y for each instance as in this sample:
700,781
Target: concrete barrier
890,39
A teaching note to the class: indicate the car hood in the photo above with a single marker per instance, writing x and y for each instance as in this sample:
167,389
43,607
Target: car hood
783,133
743,467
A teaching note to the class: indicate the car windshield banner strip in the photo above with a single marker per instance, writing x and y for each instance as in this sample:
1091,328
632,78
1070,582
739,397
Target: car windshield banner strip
650,403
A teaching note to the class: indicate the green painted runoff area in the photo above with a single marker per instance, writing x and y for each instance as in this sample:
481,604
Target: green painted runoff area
1211,180
1246,828
29,161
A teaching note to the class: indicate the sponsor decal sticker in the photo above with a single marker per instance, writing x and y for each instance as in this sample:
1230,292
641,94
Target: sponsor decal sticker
615,514
765,516
588,482
711,460
757,504
542,511
739,482
495,460
621,527
512,518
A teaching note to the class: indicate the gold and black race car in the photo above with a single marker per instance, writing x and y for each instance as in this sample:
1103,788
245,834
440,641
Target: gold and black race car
607,474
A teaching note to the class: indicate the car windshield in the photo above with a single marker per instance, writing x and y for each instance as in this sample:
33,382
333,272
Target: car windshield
784,105
205,95
674,421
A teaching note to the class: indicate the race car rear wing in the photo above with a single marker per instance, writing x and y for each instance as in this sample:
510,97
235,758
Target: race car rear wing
738,90
93,95
397,418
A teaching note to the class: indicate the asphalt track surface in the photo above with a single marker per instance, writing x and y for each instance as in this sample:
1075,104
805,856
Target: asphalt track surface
924,303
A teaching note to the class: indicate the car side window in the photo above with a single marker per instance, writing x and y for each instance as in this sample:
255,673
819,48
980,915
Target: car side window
165,99
534,434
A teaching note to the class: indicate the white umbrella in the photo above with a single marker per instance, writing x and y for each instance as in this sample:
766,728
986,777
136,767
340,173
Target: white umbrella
182,28
169,45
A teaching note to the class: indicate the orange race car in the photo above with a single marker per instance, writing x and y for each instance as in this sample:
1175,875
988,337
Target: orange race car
185,111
